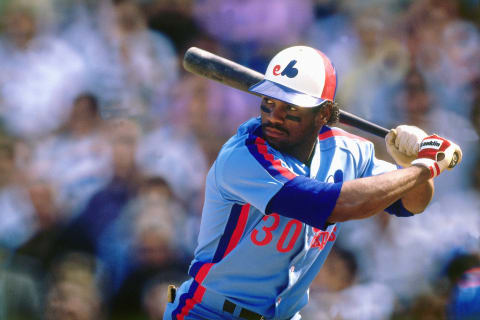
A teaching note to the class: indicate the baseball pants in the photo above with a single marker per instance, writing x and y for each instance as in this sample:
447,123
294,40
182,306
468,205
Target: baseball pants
193,302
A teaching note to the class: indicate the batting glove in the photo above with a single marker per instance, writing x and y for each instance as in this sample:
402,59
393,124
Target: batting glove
403,143
438,154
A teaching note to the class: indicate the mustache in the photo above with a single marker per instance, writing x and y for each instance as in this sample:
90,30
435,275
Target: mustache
274,126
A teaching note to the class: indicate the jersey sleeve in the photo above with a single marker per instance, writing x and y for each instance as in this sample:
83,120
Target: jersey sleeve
372,166
251,172
307,200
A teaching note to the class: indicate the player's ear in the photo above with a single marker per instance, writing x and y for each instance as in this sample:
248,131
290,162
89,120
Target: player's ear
323,114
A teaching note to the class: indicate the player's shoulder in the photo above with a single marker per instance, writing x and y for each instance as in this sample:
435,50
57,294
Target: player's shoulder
245,152
330,137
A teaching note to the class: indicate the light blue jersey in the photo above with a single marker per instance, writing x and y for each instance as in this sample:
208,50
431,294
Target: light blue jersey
264,263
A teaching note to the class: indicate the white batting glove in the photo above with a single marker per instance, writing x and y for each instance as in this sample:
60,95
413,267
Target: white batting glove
438,154
403,143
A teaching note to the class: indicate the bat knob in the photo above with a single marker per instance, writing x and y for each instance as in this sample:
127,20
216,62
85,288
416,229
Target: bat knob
454,161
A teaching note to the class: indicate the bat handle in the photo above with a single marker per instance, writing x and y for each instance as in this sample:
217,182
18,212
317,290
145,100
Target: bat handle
357,122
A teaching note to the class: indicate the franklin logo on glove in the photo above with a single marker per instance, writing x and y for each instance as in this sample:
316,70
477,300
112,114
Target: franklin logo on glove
431,143
438,154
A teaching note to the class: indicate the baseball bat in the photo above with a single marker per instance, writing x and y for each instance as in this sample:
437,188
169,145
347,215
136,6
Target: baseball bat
230,73
212,66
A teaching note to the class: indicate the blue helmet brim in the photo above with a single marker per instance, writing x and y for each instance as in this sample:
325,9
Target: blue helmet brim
280,92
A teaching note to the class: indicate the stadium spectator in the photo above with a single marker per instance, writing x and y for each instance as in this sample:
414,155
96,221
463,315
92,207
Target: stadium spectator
76,159
132,68
337,292
146,244
40,75
73,290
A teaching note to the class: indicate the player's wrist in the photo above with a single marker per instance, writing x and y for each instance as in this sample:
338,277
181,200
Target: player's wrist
429,167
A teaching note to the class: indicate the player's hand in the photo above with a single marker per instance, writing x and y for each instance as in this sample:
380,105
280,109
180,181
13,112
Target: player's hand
403,143
438,154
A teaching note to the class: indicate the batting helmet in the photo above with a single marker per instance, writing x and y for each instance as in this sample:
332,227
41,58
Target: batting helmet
299,75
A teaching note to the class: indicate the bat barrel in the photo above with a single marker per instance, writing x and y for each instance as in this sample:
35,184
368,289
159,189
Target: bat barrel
209,65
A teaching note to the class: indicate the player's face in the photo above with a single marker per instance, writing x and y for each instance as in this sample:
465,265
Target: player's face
289,128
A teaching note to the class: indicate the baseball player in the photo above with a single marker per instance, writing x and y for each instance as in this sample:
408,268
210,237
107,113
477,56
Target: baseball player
281,187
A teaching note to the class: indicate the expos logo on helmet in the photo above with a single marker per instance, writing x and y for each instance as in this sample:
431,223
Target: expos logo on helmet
289,70
299,75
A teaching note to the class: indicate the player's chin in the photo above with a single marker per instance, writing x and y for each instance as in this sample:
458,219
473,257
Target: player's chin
275,137
277,143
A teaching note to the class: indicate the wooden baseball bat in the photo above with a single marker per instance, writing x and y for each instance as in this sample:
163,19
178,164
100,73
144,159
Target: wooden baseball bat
212,66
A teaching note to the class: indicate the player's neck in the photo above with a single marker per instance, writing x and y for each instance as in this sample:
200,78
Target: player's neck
303,152
312,152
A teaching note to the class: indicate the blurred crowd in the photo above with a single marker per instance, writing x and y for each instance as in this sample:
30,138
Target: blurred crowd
105,142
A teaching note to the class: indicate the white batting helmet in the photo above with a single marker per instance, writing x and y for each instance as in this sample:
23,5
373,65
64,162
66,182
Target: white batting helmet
299,75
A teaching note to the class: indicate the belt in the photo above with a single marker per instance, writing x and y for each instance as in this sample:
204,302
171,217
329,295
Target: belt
246,314
220,302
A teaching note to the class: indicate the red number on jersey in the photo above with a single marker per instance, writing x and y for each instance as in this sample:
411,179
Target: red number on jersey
286,231
269,236
268,230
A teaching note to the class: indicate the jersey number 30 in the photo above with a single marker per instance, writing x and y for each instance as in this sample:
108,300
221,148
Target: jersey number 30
267,230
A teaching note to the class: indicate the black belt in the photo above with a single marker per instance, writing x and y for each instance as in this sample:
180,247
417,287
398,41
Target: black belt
246,314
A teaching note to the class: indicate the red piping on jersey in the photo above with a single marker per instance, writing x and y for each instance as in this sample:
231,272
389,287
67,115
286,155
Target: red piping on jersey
237,233
202,273
205,269
199,291
190,303
338,133
263,150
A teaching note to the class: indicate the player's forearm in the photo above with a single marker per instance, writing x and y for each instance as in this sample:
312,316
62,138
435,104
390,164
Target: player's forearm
365,197
419,197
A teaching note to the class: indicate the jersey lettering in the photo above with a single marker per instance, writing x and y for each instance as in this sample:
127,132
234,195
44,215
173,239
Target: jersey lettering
322,237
